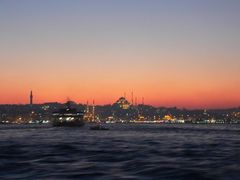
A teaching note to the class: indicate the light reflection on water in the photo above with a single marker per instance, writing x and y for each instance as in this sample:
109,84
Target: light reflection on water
131,151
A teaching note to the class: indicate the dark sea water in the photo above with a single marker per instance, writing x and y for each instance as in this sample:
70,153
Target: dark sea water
126,151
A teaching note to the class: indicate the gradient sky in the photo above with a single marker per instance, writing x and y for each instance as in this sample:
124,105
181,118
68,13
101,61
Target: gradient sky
183,53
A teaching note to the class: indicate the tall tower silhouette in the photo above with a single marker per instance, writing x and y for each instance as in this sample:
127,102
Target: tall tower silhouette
31,98
132,98
136,103
87,108
93,110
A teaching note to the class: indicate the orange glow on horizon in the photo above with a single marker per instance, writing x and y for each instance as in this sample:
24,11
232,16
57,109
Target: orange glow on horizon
166,98
183,54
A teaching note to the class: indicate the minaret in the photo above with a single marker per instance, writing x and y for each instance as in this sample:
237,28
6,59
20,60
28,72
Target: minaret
31,98
87,108
132,98
136,103
93,110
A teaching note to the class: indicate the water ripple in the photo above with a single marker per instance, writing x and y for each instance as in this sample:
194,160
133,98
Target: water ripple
124,152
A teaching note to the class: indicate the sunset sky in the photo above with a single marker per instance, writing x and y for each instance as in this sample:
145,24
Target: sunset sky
183,53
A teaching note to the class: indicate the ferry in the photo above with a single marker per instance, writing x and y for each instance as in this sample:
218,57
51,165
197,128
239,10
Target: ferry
68,117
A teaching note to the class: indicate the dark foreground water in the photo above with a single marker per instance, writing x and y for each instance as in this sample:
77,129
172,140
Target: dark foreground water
124,152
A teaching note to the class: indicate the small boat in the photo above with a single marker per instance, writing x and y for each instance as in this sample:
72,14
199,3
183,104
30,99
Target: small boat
98,127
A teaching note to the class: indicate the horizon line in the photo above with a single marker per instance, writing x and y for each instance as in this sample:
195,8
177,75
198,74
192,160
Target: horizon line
183,108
